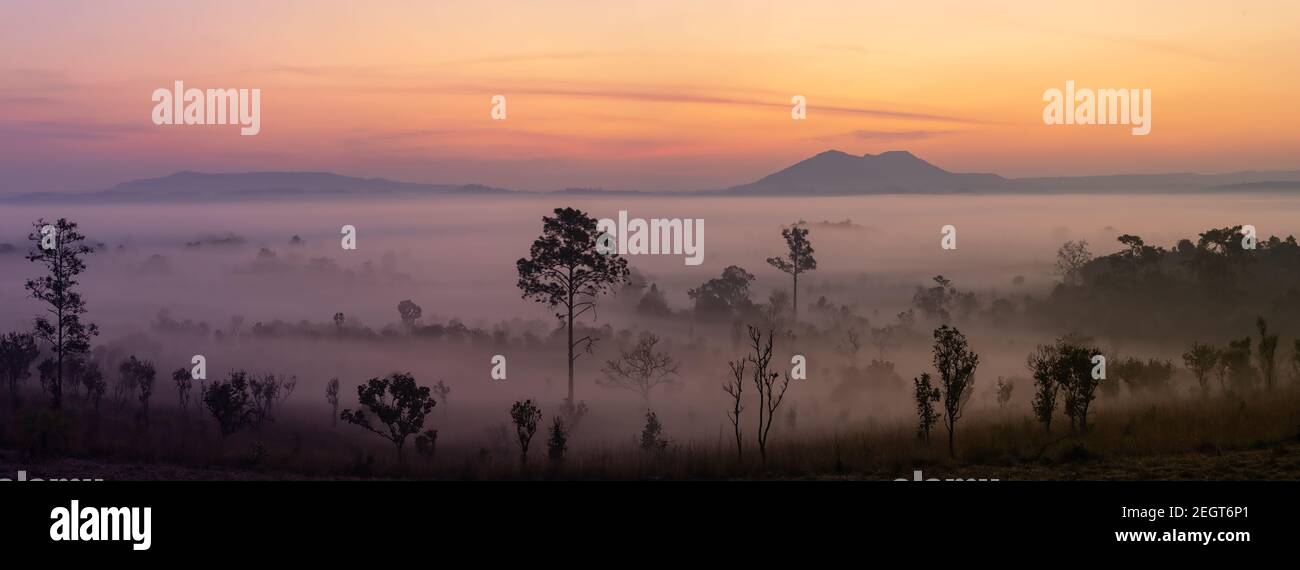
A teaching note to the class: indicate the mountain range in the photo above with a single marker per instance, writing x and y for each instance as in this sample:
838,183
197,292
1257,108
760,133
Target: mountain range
831,173
237,185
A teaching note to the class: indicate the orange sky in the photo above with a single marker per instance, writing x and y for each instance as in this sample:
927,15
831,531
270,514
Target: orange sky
646,95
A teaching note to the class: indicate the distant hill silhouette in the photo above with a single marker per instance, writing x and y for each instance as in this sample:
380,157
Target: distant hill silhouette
204,186
839,173
900,172
1245,181
831,173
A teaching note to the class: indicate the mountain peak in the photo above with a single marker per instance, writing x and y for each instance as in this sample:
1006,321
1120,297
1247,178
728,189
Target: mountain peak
832,152
835,172
895,154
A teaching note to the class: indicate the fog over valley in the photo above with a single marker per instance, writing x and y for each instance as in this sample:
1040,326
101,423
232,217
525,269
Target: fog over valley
230,281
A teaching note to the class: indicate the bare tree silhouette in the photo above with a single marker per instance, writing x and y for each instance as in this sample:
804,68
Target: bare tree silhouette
640,369
735,387
770,392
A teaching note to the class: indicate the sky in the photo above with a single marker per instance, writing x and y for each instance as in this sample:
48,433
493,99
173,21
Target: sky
655,95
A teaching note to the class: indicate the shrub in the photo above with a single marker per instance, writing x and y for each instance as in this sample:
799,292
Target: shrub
139,375
266,391
17,353
651,434
397,403
45,432
926,395
184,383
558,443
526,416
426,444
230,402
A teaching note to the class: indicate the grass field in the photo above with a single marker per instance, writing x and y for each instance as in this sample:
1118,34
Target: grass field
1223,437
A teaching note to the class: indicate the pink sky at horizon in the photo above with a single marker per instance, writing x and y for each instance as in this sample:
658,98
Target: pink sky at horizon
667,95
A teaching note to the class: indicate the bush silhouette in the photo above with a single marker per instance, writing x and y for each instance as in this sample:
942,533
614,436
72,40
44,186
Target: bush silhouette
526,416
17,353
558,443
184,383
426,444
652,434
267,391
398,405
925,395
230,402
140,375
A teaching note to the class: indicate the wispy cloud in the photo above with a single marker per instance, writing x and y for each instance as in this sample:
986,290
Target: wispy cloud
430,138
33,87
899,135
325,70
368,137
352,71
28,100
663,96
71,130
545,56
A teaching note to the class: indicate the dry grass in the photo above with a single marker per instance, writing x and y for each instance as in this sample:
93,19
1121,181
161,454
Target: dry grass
1222,437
